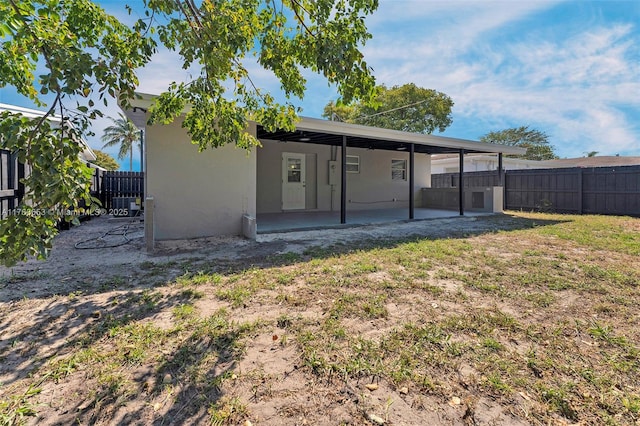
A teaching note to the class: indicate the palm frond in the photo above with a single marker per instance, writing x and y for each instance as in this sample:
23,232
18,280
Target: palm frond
122,133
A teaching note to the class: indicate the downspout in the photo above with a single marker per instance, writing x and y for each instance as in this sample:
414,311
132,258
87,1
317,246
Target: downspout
334,155
141,150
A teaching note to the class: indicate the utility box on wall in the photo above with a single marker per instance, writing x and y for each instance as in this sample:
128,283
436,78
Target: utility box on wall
333,172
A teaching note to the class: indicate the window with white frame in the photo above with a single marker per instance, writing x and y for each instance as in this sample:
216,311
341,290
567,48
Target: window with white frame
353,164
398,169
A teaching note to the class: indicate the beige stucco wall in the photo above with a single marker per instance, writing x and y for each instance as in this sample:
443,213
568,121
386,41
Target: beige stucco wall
269,173
371,188
197,194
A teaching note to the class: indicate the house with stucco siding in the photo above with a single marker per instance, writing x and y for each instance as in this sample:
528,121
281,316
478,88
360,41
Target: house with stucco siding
321,166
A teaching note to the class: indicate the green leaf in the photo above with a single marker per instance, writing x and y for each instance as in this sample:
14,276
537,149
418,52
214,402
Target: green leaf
80,47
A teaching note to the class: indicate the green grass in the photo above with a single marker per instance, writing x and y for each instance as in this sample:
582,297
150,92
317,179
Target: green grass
226,411
548,310
16,409
359,306
596,232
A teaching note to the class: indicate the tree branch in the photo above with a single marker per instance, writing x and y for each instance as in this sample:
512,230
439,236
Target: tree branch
188,18
299,18
194,11
49,66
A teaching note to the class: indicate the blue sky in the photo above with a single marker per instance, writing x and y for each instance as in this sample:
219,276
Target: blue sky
568,68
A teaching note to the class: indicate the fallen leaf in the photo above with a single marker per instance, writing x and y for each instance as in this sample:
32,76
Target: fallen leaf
376,419
372,386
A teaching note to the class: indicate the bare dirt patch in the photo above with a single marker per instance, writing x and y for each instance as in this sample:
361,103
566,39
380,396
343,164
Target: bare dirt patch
508,319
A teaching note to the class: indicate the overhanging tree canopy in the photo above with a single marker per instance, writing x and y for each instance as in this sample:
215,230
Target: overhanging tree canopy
89,56
105,160
408,108
535,141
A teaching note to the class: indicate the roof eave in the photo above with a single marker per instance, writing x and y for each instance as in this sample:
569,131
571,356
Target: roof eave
357,130
145,101
87,152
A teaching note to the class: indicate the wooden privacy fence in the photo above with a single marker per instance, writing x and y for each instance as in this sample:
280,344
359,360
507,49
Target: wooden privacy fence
593,190
120,184
11,190
105,185
471,179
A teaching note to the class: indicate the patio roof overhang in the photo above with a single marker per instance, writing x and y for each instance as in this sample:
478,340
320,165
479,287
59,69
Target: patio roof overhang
324,132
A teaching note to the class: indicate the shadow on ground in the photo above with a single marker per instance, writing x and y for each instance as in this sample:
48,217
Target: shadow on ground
52,325
43,279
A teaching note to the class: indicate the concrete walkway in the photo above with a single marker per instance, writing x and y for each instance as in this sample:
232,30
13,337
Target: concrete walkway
299,221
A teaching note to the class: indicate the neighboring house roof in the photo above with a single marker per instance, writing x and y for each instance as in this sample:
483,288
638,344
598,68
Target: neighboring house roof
325,132
597,161
446,159
87,153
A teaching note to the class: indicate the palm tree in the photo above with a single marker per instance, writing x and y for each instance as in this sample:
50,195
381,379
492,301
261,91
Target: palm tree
123,133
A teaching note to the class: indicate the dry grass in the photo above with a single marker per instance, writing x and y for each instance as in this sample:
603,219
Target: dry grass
538,325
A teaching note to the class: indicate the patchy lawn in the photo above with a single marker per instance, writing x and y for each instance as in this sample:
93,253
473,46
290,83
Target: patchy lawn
530,319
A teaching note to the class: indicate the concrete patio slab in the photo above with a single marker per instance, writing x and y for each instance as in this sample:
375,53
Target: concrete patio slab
307,220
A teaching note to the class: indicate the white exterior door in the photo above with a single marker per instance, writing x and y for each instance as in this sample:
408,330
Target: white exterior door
293,181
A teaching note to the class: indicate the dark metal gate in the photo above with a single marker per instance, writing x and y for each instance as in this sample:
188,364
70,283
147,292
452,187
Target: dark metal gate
11,190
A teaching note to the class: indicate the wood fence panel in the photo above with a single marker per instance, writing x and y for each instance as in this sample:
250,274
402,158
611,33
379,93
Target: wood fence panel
612,190
121,184
11,189
471,179
96,179
596,190
543,190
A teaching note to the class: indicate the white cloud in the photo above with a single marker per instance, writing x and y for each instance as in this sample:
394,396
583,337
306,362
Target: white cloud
575,87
